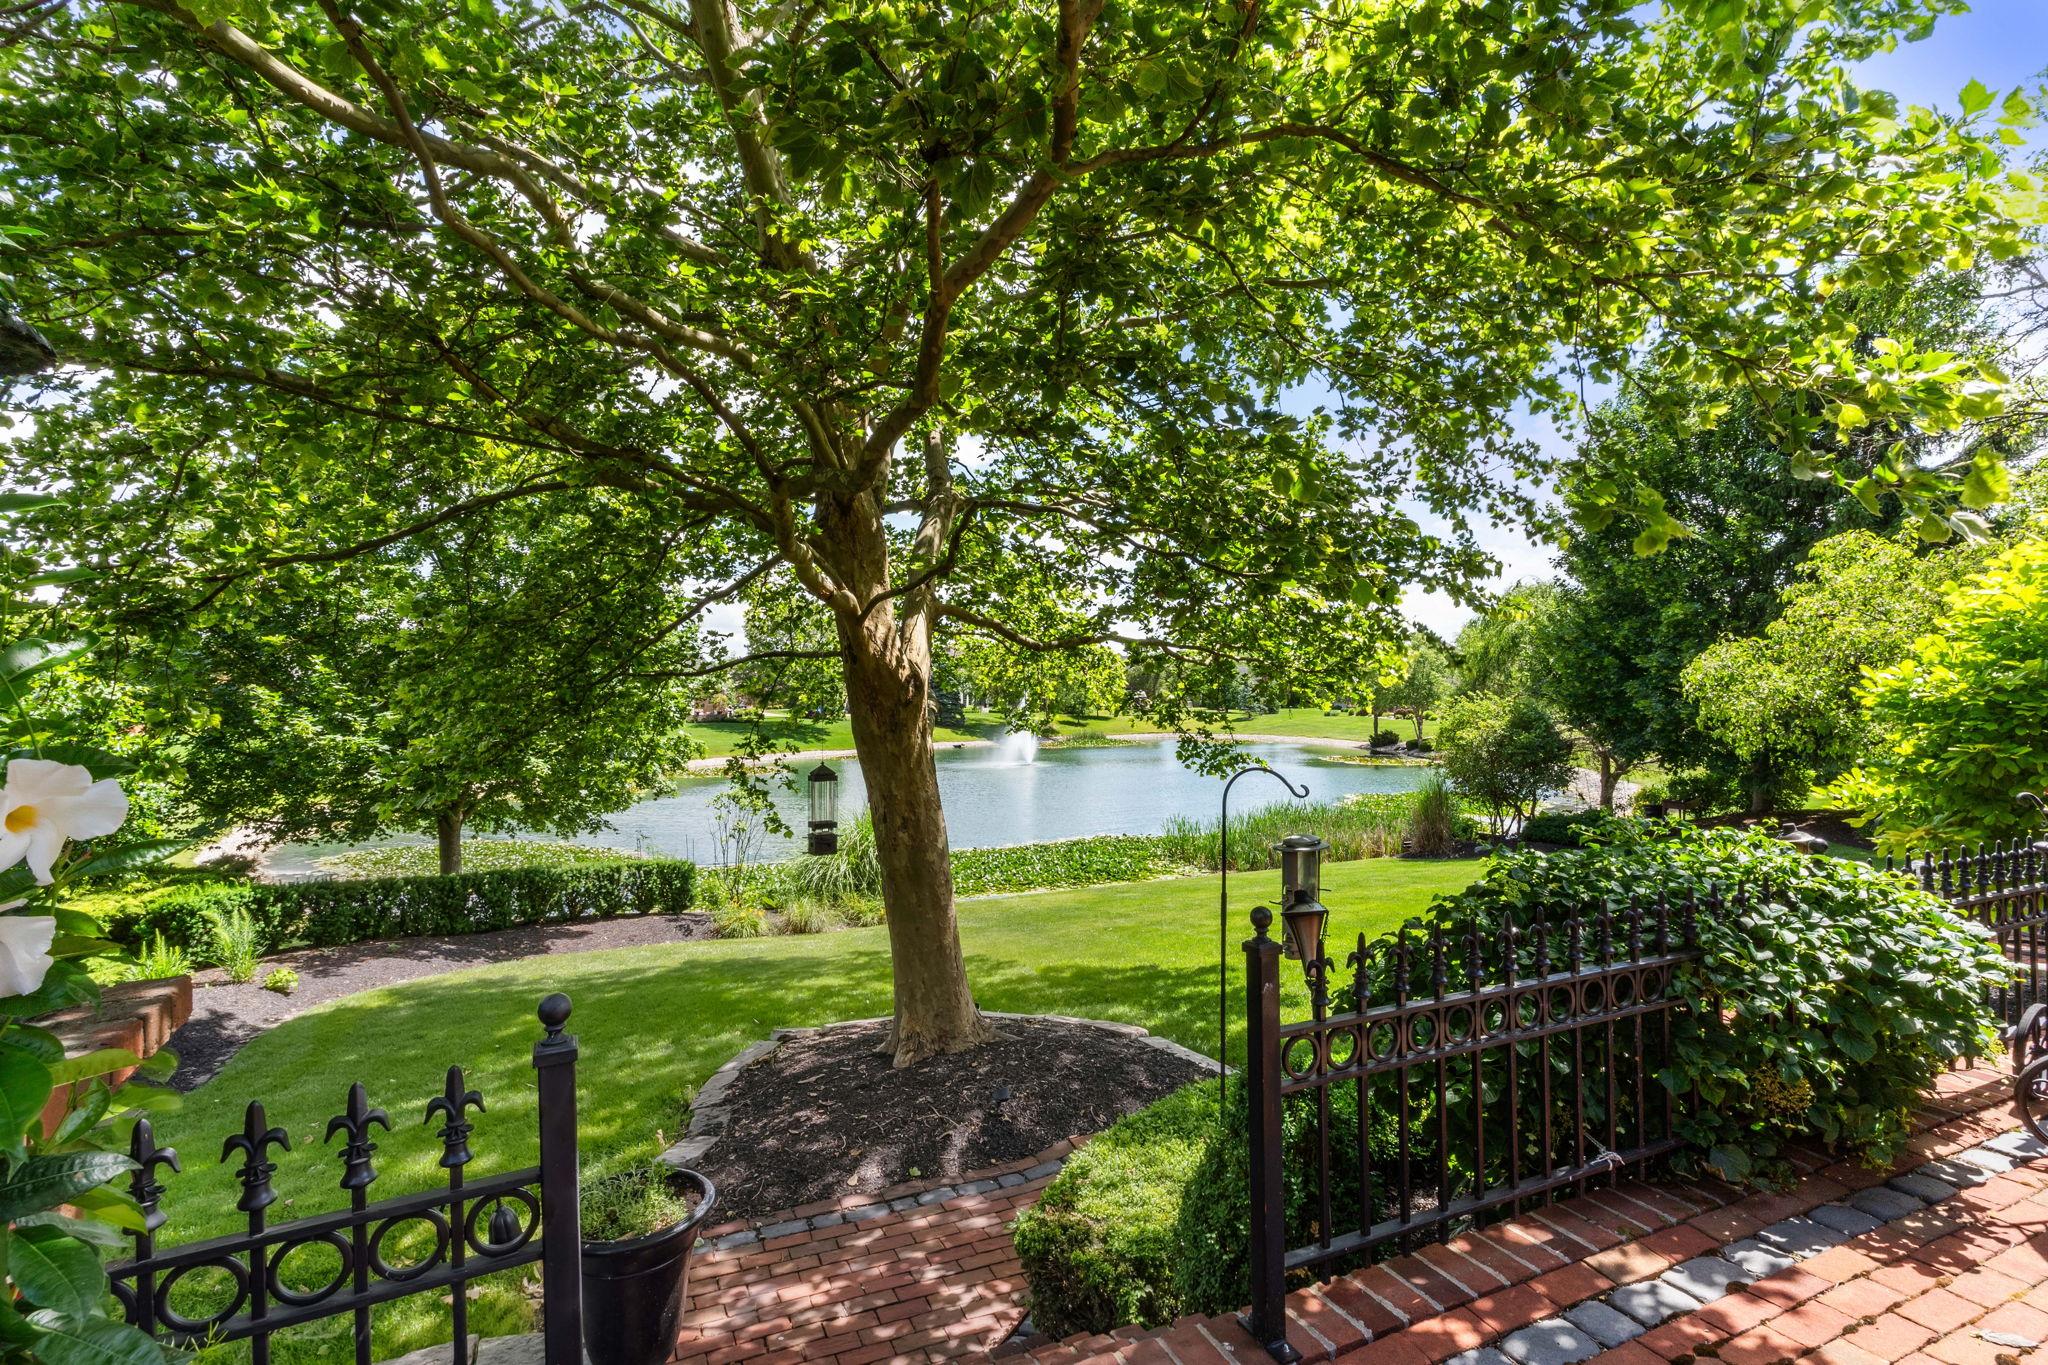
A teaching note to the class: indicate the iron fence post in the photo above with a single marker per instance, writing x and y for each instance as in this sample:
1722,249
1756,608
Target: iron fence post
1267,1321
561,1228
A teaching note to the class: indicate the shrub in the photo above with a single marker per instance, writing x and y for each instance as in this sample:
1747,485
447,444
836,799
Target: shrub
1433,823
330,913
1418,746
1385,739
1834,982
1151,1219
806,917
236,944
1705,793
1506,753
738,919
283,980
1576,829
1651,791
478,855
1067,862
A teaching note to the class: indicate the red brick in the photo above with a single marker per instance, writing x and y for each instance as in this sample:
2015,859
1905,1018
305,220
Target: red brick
1680,1243
1511,1309
1327,1321
1385,1284
1812,1323
1987,1288
1628,1353
1940,1310
1571,1285
1362,1307
1571,1225
1727,1225
1839,1264
1495,1257
1423,1278
1447,1334
1841,1351
1462,1270
1864,1298
1891,1337
1631,1261
1394,1350
1759,1346
1682,1336
1738,1312
1908,1277
1790,1287
1538,1254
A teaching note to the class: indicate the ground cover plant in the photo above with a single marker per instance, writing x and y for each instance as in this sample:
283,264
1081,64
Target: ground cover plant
664,1018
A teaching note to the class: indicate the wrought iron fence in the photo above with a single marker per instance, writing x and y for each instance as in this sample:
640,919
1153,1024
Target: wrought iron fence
1465,1074
476,1226
2004,887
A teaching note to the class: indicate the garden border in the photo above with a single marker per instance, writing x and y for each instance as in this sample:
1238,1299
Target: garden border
708,1119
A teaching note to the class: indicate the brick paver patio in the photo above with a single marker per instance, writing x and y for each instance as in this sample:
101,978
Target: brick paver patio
1851,1267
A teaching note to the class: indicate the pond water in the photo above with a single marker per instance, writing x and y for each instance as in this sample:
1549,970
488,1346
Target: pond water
994,795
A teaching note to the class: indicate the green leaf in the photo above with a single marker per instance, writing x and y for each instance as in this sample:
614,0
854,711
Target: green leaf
97,1063
25,1085
56,1271
134,855
93,1341
1986,483
22,502
43,1182
84,1229
1975,97
26,658
93,759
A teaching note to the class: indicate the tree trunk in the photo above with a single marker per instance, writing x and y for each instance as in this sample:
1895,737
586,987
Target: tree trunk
1418,725
1609,775
448,834
888,668
1760,785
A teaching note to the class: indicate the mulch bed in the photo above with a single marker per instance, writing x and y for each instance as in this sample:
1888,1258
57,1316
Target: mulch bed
226,1016
826,1114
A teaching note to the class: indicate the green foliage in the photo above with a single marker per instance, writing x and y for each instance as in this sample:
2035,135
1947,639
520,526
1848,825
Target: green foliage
1091,861
1789,696
283,980
478,855
632,1203
1365,826
1962,720
1151,1220
367,909
738,919
182,911
235,944
1497,649
1578,829
1504,753
1840,984
1434,823
159,961
1385,739
806,917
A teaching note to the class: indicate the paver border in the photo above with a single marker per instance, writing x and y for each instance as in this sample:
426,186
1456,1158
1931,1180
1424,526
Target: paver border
709,1117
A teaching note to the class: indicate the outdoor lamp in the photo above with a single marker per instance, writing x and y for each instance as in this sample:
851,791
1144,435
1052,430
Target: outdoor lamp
824,793
1302,913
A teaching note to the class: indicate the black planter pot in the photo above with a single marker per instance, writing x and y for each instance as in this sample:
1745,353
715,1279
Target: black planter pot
634,1291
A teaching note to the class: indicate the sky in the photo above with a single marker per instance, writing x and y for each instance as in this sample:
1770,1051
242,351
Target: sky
2003,43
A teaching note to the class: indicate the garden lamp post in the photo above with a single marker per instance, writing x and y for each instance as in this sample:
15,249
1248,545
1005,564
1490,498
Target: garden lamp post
824,794
1302,913
1223,910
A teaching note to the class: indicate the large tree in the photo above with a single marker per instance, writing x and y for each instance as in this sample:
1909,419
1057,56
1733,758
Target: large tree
970,316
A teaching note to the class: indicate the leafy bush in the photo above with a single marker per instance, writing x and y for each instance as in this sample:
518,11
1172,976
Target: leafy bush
1704,793
1068,862
478,855
1576,829
1961,720
738,919
1652,790
1840,985
1151,1219
1506,753
1418,746
326,914
236,944
283,980
1385,739
1433,822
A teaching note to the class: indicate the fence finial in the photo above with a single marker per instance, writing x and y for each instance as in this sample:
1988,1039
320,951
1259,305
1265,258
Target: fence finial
452,1104
554,1016
1262,920
253,1142
143,1184
357,1172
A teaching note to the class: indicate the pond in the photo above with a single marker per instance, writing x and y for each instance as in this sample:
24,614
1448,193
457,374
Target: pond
994,795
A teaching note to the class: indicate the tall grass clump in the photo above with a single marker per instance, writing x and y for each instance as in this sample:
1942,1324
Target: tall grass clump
1369,827
1433,818
853,873
236,940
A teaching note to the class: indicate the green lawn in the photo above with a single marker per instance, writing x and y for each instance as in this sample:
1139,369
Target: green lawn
655,1022
722,737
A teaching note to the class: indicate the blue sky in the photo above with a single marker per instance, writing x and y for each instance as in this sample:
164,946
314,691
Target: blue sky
2003,43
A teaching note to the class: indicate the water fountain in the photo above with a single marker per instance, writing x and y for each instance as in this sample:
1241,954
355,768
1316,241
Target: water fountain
1016,747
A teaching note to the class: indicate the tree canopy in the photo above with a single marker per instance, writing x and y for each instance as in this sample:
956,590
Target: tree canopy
970,319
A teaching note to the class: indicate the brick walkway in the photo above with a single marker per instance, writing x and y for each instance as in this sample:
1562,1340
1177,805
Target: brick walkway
928,1282
1850,1267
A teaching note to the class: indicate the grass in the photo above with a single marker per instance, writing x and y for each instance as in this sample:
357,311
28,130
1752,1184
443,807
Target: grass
655,1022
1299,722
720,738
478,855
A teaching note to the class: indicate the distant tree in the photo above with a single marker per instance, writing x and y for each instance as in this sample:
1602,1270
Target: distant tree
1493,648
1506,753
1790,697
1962,720
1429,680
1584,670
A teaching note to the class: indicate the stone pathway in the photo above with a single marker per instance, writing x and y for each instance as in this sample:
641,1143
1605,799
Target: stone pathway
1850,1267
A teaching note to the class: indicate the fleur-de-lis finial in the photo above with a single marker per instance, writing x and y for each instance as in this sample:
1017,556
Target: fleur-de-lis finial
143,1184
254,1142
452,1104
357,1171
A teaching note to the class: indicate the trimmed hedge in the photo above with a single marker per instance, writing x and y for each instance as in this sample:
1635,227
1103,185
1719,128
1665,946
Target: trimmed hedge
329,913
1151,1220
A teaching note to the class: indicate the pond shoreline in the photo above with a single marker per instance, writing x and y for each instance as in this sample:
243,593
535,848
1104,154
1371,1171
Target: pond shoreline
716,765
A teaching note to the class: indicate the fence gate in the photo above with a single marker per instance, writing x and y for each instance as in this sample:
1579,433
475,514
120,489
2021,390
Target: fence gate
477,1226
1464,1074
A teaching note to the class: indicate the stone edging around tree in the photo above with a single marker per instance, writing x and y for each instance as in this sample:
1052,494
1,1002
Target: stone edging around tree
708,1119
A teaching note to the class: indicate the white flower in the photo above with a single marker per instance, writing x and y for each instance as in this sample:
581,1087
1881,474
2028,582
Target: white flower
25,951
45,803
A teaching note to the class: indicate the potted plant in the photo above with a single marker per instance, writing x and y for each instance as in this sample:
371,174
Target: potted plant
639,1227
